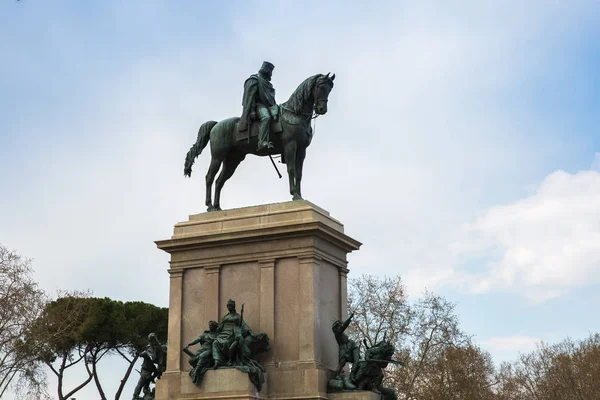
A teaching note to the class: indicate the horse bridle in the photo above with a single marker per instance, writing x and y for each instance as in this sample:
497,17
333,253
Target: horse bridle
307,116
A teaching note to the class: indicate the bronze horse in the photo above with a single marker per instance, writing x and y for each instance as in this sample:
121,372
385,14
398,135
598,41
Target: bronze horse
225,148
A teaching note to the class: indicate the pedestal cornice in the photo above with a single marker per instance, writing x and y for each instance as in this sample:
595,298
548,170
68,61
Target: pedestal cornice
259,223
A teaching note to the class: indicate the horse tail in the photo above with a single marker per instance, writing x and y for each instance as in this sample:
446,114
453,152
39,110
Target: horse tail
196,149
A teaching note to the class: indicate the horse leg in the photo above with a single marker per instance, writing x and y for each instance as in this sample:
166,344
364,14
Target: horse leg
300,154
290,160
229,165
210,177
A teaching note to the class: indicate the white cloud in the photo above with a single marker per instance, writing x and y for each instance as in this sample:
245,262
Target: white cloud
511,344
547,243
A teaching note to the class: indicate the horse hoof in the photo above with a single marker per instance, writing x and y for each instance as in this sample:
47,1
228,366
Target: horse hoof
297,197
211,208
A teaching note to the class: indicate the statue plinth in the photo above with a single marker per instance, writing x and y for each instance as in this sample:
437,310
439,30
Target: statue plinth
287,263
228,383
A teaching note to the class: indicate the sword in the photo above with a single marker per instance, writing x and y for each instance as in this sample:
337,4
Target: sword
249,122
275,166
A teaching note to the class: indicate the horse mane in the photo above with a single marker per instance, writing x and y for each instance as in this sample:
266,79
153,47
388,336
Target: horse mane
302,94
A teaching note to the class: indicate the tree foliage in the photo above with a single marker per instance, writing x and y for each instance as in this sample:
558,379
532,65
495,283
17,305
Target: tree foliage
456,373
21,302
380,307
566,370
82,330
441,360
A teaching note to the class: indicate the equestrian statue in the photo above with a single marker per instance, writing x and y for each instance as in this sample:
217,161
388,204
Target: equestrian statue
264,129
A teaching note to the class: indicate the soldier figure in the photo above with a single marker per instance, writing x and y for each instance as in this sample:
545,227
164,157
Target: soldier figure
348,349
259,97
148,372
203,358
153,365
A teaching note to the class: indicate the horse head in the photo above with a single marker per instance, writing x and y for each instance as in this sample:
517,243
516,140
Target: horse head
321,90
381,351
259,343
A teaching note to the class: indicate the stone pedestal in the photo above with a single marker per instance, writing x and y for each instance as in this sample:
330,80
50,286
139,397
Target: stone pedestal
358,395
287,263
230,384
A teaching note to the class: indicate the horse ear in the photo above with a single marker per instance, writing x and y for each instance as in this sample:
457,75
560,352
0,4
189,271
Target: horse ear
332,77
327,76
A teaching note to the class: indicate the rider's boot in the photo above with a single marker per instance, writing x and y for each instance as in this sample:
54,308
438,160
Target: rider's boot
263,134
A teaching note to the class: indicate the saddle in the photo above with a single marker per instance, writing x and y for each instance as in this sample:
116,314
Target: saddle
252,130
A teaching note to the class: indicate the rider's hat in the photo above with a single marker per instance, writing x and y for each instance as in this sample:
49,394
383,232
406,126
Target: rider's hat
267,67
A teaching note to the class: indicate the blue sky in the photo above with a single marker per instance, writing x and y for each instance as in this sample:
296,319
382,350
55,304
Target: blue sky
460,144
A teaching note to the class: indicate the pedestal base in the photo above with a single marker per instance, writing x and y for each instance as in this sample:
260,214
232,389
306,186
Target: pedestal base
287,263
225,384
358,395
298,381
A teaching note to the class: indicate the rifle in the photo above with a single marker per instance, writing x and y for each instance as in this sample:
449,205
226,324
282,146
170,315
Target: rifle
234,346
242,315
384,361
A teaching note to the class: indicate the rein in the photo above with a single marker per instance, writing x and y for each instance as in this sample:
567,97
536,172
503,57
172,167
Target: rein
307,116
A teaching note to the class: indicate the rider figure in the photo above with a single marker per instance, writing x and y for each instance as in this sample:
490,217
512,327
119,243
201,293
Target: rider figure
259,97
